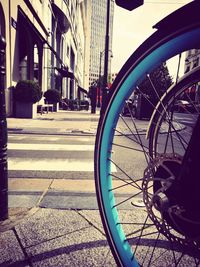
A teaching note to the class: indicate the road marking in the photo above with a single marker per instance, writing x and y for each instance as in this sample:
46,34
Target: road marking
18,137
42,138
50,147
34,164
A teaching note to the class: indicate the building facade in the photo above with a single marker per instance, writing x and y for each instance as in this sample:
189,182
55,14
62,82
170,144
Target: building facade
192,59
97,44
113,76
46,41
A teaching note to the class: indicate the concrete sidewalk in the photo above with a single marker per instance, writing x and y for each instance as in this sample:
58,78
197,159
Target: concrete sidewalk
41,236
61,122
77,123
50,237
66,123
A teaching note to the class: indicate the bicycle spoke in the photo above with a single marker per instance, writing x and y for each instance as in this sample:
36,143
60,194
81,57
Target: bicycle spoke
174,256
181,139
125,135
136,223
171,138
117,166
167,139
141,232
121,186
154,88
153,249
138,135
129,138
140,236
127,199
134,149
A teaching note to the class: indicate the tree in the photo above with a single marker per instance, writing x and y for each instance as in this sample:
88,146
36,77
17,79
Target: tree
158,80
52,96
151,89
27,91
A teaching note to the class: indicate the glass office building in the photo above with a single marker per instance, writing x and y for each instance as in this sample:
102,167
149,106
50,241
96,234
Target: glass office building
97,43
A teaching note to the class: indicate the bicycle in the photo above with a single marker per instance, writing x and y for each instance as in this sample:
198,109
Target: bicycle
156,221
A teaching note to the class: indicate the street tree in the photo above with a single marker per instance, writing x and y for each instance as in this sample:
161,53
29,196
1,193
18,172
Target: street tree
158,80
151,89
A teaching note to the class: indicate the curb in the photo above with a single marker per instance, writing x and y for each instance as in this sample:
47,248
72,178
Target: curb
67,132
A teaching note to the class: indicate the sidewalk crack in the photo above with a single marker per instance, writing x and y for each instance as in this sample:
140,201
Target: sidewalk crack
90,223
43,194
26,256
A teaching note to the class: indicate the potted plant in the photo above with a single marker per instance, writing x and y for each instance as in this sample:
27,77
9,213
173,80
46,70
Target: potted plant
26,93
52,96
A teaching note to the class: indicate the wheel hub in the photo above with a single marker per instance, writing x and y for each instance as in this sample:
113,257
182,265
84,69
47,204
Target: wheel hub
161,202
162,198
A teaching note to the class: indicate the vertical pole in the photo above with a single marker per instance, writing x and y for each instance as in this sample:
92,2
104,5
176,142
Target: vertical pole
3,137
105,78
99,92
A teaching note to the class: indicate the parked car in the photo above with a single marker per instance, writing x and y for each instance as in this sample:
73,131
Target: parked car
84,105
131,106
185,106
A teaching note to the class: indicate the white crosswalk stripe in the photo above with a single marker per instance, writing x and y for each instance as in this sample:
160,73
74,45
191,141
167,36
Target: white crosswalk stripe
72,165
44,138
51,164
60,166
50,147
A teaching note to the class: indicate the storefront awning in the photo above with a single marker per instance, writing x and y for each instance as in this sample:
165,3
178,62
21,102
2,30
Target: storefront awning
24,21
64,72
63,21
82,90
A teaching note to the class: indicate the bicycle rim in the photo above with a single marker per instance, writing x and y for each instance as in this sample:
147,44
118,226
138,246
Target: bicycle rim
125,249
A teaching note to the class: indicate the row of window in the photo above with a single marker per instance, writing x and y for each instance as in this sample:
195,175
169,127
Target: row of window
94,75
193,52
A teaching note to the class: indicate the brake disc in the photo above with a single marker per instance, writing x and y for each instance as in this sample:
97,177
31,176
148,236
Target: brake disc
162,200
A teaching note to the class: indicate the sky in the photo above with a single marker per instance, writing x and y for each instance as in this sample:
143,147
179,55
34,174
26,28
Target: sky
131,28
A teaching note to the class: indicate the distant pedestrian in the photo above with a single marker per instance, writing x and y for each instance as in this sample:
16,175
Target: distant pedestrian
93,97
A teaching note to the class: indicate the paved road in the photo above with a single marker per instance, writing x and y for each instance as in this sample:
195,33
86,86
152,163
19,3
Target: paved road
54,171
58,171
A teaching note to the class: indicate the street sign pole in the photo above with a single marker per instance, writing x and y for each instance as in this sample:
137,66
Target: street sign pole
3,137
105,77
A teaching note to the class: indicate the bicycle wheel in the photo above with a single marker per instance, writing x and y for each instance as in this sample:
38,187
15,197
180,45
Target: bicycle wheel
166,125
129,185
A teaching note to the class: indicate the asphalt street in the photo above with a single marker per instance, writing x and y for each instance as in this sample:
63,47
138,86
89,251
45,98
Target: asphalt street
62,165
56,171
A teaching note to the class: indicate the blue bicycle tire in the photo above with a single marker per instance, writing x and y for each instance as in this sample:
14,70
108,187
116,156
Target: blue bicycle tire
158,48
